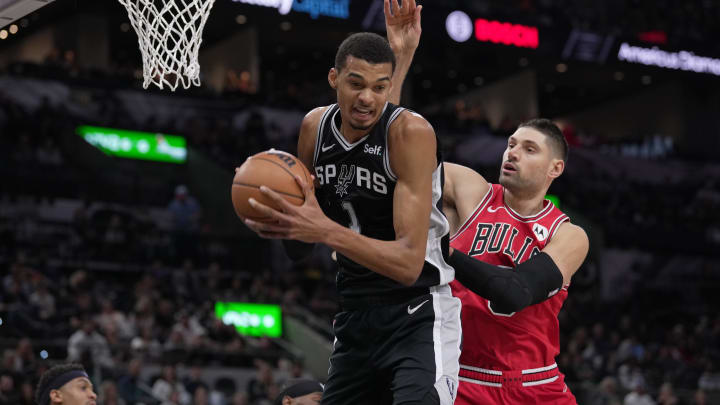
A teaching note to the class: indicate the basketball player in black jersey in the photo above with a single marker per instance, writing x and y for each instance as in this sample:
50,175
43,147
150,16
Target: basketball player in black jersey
376,202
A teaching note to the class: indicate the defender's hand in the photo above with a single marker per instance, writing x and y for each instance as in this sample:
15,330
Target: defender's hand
403,26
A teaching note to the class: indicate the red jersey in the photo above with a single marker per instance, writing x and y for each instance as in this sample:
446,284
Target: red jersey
497,235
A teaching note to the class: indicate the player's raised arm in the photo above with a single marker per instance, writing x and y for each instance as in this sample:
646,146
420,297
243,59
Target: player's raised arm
298,250
403,33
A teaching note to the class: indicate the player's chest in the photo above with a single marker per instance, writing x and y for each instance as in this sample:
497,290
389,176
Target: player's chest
503,240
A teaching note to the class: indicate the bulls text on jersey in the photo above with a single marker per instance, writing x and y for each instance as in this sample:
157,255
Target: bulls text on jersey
497,237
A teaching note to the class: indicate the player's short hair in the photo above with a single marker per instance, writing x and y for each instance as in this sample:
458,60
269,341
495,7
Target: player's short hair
367,46
548,128
42,393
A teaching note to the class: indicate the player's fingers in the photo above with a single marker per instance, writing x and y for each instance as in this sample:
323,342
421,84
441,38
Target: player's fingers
305,186
267,211
417,16
276,198
396,7
386,7
265,227
412,6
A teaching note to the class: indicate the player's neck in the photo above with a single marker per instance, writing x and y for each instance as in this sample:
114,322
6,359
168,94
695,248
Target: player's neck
525,204
351,134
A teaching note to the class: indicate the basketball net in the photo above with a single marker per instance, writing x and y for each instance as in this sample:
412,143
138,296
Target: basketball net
169,34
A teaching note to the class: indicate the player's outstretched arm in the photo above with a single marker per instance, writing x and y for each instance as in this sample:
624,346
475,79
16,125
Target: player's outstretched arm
412,148
298,250
534,280
463,190
403,31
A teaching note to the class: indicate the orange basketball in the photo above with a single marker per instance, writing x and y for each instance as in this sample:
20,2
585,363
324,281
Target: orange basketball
274,169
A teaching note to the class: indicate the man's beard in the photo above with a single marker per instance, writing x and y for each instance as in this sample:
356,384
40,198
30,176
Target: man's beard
359,128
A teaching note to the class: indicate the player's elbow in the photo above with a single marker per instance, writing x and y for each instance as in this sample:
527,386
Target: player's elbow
412,269
512,302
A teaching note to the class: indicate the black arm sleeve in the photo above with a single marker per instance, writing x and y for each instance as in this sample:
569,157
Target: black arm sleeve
297,250
509,290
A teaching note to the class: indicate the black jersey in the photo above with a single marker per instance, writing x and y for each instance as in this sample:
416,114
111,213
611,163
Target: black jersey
356,189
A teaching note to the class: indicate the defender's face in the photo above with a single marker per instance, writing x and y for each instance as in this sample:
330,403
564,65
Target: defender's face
78,391
362,91
527,160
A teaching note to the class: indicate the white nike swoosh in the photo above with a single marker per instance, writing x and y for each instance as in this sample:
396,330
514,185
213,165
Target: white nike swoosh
412,310
490,209
327,148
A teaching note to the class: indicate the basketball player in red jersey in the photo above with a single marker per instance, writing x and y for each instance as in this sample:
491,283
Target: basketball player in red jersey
514,254
526,252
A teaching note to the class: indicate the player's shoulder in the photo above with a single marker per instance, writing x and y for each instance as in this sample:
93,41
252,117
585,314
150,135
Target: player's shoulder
313,117
410,124
572,232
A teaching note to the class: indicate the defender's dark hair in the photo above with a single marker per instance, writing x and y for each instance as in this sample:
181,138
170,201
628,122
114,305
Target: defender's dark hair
554,134
366,46
42,395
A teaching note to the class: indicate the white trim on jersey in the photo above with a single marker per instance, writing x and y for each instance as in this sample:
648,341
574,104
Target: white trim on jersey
529,218
439,227
539,369
478,382
386,158
556,225
481,370
320,131
447,336
478,209
341,139
540,382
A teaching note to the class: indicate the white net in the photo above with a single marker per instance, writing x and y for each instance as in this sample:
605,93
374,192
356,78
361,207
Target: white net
169,34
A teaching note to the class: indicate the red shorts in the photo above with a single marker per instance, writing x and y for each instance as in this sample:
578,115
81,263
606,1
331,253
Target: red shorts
512,387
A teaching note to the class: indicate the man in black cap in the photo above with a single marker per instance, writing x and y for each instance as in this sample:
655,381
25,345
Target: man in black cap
65,384
300,392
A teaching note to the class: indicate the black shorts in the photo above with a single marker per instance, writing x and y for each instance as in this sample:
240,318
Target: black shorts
397,354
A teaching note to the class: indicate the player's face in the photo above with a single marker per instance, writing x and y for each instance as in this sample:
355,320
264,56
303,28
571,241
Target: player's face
362,90
527,161
78,391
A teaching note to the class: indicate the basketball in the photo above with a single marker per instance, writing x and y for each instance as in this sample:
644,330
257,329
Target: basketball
274,169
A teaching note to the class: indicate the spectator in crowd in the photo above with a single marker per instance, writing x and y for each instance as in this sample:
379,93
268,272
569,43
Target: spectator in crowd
8,394
710,379
27,396
168,389
260,386
109,394
639,395
110,318
43,301
88,340
131,389
606,393
194,379
667,395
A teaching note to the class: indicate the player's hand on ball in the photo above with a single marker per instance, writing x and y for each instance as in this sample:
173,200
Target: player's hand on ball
306,222
403,25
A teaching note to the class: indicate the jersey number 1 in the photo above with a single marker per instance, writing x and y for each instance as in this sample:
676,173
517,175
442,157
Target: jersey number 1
354,223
